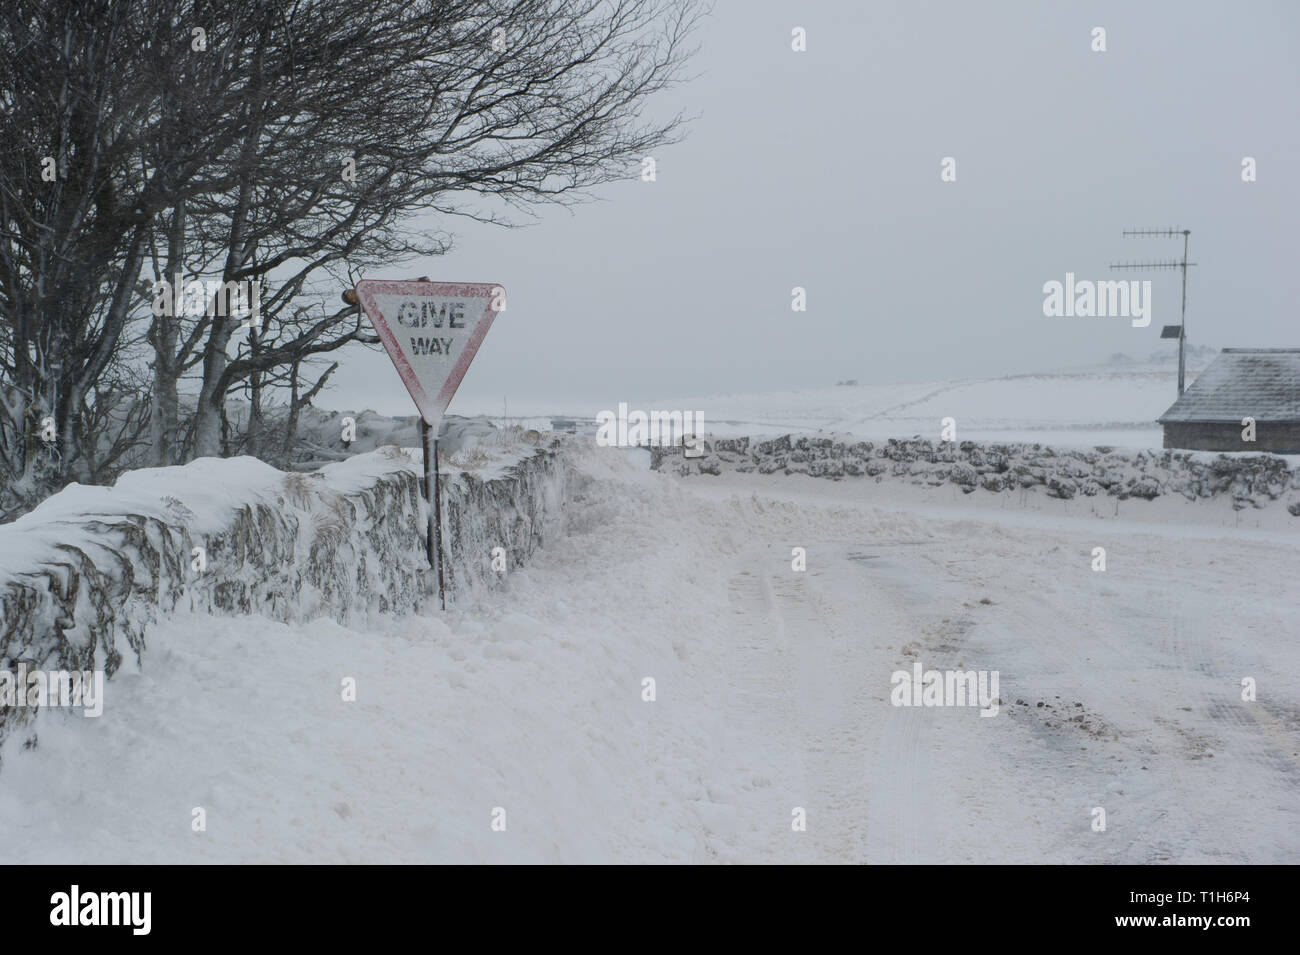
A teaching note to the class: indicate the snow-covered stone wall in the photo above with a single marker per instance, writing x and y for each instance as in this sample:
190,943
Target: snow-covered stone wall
1252,480
516,511
84,575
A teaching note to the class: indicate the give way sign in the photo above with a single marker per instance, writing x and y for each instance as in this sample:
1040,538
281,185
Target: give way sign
431,331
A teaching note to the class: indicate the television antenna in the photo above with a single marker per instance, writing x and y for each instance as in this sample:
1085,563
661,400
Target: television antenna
1178,331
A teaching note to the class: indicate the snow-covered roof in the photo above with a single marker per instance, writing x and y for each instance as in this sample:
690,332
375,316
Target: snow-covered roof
1262,383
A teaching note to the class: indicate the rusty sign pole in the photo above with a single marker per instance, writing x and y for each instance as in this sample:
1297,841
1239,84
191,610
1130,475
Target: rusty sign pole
433,494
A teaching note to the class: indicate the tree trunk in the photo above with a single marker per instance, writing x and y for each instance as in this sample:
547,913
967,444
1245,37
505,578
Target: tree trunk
165,334
256,423
208,429
291,419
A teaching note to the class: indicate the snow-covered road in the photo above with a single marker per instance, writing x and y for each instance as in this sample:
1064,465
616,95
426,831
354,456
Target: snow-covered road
772,694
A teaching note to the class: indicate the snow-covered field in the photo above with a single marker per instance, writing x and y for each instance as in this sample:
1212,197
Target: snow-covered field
1115,405
772,693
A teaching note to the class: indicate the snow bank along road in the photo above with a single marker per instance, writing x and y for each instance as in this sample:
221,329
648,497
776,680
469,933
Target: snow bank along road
1120,690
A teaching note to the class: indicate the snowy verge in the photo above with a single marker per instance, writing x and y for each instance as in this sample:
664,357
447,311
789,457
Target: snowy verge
1251,480
84,575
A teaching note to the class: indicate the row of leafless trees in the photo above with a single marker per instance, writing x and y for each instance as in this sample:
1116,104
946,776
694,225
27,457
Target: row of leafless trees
295,144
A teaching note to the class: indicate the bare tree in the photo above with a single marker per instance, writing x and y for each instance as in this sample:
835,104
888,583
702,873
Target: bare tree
90,161
287,144
433,108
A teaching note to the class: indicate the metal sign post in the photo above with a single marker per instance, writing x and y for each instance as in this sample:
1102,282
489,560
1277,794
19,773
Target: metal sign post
433,494
431,331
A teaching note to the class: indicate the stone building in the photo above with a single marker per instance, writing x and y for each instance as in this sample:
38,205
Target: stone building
1260,384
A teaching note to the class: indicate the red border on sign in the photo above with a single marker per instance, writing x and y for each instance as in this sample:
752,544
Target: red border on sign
431,409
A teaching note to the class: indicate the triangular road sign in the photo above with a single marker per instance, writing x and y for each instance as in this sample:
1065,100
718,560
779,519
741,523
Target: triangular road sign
431,331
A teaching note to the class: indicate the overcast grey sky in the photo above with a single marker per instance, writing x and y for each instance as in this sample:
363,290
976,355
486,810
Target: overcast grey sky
821,169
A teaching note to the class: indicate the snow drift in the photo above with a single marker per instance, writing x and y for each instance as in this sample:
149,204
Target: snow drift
84,575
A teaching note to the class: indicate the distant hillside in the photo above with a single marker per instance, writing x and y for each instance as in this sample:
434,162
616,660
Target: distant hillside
1115,404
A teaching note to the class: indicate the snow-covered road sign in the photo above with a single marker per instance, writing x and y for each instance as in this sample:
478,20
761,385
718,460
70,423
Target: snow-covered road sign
431,331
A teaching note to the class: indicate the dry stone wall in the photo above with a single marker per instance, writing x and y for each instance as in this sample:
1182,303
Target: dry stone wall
85,575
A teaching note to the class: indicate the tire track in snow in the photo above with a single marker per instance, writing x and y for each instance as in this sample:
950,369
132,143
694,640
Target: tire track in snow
896,819
800,674
904,800
756,765
830,666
